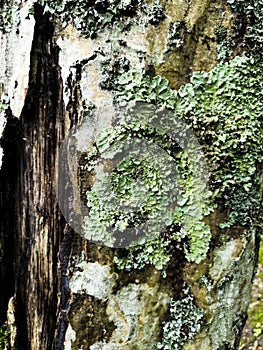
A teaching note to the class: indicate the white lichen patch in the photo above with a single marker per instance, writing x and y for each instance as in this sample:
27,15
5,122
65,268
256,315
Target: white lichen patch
229,305
123,310
224,258
103,346
69,338
91,278
135,310
15,49
73,48
11,320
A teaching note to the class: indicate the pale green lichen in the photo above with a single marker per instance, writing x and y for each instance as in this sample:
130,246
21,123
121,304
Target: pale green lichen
10,15
217,106
254,14
92,17
184,323
153,252
135,203
4,102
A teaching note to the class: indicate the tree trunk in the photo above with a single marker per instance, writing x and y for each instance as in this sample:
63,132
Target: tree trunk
79,80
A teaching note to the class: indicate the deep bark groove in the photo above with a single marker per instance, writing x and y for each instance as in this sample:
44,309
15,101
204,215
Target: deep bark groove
64,256
38,225
8,177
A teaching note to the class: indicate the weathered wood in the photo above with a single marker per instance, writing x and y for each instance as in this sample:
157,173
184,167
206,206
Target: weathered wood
69,292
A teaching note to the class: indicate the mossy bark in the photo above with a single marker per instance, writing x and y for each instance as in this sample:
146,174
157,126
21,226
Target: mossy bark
69,293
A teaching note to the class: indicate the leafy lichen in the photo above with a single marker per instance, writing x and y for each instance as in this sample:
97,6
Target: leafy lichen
247,31
185,322
222,107
135,202
92,17
218,108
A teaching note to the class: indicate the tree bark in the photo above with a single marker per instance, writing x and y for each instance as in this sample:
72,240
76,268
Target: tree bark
67,291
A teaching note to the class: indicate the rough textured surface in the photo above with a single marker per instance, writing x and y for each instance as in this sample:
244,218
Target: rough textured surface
61,75
15,63
31,224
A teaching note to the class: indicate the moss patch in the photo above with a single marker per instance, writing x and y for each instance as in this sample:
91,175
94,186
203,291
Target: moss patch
89,320
4,337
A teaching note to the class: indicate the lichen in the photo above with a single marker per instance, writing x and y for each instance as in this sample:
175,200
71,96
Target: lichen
135,202
92,17
184,323
230,299
82,280
217,107
226,44
153,252
9,15
70,337
4,336
229,90
156,13
246,31
176,35
4,102
137,311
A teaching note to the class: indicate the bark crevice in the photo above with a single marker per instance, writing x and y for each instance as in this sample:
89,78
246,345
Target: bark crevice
31,165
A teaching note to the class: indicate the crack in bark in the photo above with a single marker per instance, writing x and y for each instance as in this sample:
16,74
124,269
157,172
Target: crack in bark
64,257
30,178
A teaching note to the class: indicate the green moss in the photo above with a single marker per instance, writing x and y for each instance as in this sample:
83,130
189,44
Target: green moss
255,311
260,255
4,337
256,318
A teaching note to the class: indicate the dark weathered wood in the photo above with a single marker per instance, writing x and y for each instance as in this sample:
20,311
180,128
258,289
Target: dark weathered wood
38,224
65,300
